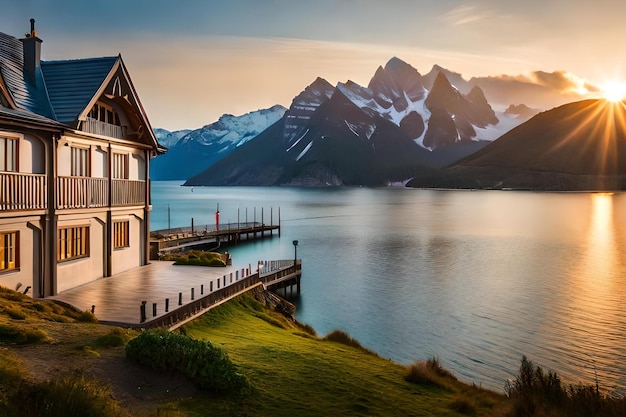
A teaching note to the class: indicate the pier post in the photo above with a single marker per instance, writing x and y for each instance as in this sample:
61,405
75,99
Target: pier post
142,312
180,298
167,305
154,309
278,221
192,293
211,286
201,289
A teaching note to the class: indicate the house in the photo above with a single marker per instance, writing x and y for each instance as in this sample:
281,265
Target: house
75,150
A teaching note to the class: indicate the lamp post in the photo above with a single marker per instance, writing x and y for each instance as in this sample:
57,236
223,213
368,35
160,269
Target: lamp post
295,252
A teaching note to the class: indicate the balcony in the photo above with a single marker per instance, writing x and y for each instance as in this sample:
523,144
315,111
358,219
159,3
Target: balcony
86,192
102,128
22,191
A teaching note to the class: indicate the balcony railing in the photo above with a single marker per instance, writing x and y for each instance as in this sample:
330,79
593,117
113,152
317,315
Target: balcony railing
81,192
22,191
128,192
85,192
101,128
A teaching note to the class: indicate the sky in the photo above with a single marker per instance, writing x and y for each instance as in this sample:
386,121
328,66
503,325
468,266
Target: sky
193,60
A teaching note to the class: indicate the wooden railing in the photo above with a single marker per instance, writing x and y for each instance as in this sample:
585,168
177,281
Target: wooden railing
101,128
128,192
22,191
81,192
219,291
86,192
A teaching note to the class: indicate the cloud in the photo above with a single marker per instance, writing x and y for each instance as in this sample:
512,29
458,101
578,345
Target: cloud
537,88
464,14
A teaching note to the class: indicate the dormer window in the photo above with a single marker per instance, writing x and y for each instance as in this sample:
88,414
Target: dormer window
103,113
103,120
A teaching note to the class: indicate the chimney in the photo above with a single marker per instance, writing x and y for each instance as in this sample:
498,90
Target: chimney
32,53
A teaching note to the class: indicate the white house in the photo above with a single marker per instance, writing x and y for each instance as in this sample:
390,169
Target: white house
75,150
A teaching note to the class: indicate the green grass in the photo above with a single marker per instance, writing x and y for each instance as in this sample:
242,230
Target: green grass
197,257
295,373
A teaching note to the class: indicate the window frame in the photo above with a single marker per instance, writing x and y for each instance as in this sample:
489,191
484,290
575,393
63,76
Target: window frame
120,171
72,243
5,140
80,166
121,234
6,250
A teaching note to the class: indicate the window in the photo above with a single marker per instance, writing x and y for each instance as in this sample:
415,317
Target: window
72,243
8,154
80,162
9,245
104,113
120,166
121,237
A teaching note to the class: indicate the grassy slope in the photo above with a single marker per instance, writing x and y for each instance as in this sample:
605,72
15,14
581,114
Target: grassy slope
296,374
292,372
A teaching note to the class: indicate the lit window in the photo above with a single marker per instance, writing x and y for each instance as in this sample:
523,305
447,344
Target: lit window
120,166
121,234
80,162
8,154
72,243
9,251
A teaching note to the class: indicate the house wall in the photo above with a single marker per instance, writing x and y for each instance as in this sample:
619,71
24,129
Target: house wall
80,271
25,275
124,259
31,155
99,164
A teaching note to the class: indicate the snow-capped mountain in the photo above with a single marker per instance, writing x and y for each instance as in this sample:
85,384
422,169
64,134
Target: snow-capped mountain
169,139
197,149
349,134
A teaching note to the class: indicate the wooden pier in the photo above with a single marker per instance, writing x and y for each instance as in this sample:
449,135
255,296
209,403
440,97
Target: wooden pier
270,275
183,238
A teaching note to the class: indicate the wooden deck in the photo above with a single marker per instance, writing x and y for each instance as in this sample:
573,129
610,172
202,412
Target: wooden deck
182,238
137,298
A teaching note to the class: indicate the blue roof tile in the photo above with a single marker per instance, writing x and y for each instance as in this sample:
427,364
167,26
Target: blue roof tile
72,84
27,96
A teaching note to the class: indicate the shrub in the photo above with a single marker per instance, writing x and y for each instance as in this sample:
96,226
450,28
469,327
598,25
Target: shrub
463,405
116,337
71,395
339,336
206,365
429,372
15,313
196,257
536,392
21,336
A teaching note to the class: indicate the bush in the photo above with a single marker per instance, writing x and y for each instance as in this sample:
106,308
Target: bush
536,392
196,257
429,372
339,336
206,365
21,336
71,395
15,313
116,337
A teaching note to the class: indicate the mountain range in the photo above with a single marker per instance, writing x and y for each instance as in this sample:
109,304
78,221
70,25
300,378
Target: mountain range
191,151
577,146
400,126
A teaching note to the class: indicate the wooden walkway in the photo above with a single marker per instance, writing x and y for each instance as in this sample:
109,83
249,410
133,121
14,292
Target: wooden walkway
138,298
180,238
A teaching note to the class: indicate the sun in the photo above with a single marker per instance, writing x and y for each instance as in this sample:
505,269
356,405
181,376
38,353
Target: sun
614,91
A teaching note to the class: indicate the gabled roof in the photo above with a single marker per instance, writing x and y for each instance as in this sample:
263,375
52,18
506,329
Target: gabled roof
26,96
72,84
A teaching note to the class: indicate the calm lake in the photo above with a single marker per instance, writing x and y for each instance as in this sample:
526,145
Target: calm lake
475,278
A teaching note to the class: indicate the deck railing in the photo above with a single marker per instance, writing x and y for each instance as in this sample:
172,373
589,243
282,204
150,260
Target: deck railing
128,192
86,192
22,191
101,128
81,192
225,288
